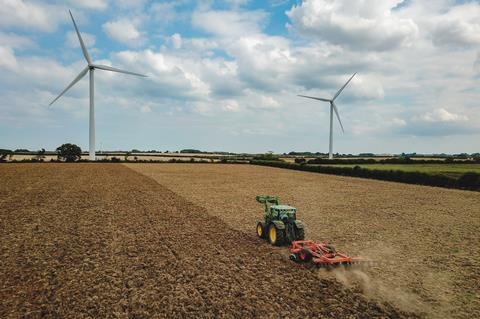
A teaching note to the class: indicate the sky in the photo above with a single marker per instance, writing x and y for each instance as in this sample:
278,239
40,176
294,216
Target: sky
224,75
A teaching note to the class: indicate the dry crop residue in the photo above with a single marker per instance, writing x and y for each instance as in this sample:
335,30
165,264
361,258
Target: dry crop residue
100,240
427,238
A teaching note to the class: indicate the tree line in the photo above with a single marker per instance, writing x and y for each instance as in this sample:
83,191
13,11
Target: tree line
469,180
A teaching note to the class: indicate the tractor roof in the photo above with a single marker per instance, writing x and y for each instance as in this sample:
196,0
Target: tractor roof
283,207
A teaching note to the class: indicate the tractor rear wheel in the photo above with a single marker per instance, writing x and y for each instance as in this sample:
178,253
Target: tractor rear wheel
299,233
261,231
276,236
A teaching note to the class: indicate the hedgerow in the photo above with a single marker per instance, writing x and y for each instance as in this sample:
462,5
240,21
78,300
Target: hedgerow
470,180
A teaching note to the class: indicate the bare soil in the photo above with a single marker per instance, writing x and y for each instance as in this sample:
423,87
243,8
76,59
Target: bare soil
426,239
101,241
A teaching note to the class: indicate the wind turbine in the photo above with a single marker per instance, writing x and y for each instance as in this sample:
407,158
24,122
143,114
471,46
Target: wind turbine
90,68
333,108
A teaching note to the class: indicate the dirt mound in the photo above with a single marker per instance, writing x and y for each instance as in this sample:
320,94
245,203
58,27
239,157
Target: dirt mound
103,241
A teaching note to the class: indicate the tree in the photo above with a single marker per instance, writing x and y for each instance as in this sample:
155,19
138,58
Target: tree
69,152
190,151
41,155
4,154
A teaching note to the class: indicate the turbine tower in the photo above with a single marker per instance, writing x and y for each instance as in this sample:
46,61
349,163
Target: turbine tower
333,108
91,69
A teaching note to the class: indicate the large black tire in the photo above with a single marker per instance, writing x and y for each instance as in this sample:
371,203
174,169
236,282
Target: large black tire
299,233
276,236
261,230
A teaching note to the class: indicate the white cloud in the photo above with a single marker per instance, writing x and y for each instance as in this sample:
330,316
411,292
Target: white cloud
164,12
7,58
256,100
176,40
145,109
29,14
460,26
169,76
442,115
124,31
230,105
366,87
15,41
364,25
229,23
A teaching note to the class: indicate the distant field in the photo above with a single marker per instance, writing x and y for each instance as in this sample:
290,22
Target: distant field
427,236
445,169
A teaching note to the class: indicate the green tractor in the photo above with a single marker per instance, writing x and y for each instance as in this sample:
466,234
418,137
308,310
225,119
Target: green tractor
280,226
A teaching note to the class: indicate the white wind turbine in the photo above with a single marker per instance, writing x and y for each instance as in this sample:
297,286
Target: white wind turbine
333,108
90,68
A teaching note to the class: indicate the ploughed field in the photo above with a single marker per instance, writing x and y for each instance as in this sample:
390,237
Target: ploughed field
101,240
425,239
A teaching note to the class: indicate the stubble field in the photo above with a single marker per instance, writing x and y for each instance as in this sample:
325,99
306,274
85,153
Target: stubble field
101,241
425,239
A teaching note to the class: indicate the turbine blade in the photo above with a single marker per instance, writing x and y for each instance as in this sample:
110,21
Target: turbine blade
84,48
341,89
315,98
109,68
78,78
338,116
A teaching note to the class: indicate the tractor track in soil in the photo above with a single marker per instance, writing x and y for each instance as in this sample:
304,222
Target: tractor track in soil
100,240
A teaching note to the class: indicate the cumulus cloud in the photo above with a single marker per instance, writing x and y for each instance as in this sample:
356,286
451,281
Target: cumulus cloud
364,25
442,115
15,41
230,105
124,31
176,40
7,58
229,23
168,76
458,27
29,14
164,12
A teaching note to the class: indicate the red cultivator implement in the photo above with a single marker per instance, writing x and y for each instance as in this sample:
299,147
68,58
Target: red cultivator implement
321,254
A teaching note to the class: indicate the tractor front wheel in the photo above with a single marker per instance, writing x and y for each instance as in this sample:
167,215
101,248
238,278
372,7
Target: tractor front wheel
276,236
261,233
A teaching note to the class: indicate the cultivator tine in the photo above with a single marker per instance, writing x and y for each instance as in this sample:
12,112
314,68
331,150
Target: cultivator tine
324,255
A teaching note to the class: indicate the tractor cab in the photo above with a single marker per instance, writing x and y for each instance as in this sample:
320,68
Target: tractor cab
283,212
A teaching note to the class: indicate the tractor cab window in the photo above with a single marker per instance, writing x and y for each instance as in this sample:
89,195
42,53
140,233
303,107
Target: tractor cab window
274,212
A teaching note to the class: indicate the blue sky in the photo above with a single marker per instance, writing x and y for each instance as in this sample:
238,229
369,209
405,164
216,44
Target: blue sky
224,75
